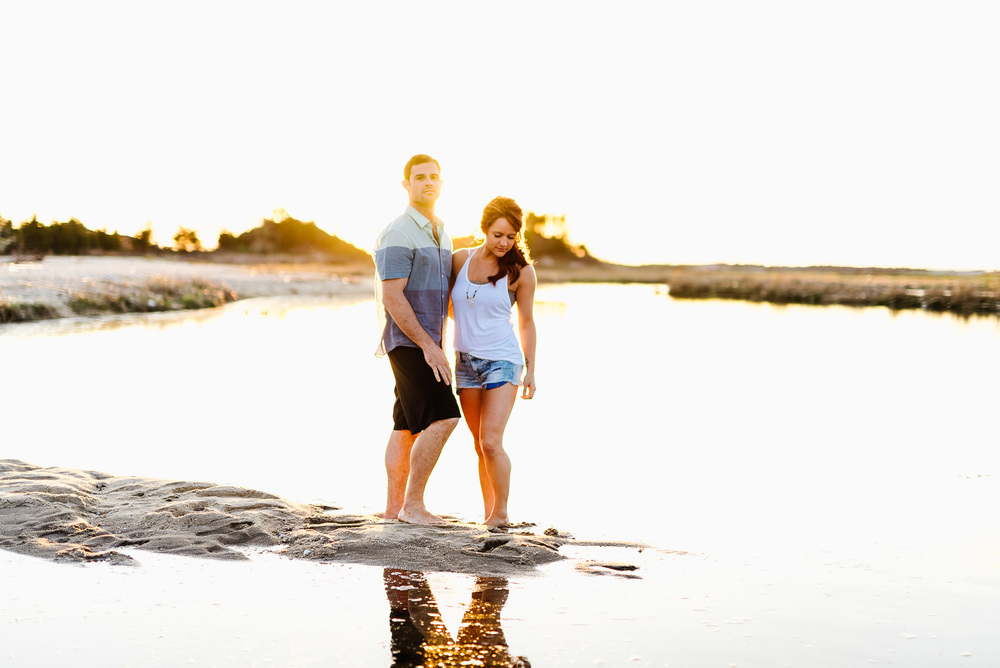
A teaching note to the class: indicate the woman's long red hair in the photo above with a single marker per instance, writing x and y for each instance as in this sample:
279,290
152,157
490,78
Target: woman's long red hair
518,256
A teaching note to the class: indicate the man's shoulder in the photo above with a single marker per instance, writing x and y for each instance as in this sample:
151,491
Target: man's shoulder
403,221
401,231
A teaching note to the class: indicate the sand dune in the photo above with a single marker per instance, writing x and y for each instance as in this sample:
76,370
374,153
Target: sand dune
72,515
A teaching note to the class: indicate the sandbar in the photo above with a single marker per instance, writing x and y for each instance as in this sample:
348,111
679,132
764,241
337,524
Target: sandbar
81,516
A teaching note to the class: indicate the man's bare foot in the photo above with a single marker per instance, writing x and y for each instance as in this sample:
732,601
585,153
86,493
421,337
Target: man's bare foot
420,517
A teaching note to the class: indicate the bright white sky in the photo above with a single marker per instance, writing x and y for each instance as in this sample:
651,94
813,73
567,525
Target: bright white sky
784,133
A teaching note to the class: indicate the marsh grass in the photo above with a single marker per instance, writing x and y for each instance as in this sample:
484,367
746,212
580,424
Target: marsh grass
968,293
22,312
159,294
965,294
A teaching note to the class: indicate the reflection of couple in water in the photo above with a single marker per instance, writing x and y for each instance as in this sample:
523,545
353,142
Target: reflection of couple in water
419,635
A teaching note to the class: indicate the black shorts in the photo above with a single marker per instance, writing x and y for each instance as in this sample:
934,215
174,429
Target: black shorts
420,399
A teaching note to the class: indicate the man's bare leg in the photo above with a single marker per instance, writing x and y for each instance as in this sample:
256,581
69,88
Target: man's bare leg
397,469
423,456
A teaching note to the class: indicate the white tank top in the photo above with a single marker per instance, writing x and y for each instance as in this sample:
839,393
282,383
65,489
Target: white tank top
484,318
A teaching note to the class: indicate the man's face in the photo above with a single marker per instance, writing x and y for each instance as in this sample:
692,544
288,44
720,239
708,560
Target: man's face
424,186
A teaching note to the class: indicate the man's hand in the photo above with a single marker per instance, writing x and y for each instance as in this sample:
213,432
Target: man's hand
399,308
437,360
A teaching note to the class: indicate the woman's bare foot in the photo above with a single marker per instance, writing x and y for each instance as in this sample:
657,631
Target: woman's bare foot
497,522
420,517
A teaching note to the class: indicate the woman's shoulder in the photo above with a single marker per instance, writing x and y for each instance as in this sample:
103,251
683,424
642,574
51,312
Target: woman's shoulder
459,257
526,276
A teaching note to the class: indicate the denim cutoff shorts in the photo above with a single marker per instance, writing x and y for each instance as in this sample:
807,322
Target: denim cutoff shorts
472,372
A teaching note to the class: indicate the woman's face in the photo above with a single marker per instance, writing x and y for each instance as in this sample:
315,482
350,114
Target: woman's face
500,237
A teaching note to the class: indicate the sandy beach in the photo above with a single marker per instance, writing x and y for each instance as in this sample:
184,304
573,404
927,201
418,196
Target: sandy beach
83,516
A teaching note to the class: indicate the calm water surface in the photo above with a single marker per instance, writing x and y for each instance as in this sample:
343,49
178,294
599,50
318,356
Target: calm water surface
830,473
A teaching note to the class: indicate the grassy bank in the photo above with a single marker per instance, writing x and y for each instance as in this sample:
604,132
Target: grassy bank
965,293
160,294
25,312
962,294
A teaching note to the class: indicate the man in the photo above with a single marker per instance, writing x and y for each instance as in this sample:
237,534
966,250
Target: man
413,271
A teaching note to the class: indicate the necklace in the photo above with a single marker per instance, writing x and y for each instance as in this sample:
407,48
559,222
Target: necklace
472,299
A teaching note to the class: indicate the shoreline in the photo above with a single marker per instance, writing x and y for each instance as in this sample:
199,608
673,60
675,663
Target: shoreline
68,286
964,293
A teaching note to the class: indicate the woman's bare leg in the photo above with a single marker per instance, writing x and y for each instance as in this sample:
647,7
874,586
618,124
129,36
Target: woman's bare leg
494,411
471,400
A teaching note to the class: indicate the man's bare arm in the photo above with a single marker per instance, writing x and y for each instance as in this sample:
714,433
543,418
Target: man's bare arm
399,308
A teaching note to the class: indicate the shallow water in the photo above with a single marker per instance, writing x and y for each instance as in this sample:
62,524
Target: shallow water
830,473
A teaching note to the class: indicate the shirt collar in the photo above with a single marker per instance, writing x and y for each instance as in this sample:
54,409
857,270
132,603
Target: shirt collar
420,219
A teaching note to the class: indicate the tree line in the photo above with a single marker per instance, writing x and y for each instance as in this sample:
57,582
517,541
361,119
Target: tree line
70,238
286,235
546,236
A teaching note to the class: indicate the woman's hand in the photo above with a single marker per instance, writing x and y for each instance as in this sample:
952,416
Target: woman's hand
528,385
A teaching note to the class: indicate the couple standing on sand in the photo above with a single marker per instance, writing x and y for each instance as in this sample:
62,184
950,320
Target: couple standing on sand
417,275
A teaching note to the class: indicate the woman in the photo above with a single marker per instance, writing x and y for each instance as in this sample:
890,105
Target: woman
489,361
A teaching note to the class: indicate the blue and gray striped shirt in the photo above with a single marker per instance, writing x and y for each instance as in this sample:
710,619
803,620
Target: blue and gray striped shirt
406,249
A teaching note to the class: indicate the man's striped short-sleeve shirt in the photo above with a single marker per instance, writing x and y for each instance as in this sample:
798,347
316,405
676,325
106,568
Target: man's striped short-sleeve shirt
406,249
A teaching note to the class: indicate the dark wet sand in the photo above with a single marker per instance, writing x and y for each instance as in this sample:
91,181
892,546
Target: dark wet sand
72,515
